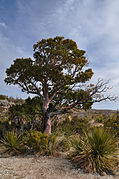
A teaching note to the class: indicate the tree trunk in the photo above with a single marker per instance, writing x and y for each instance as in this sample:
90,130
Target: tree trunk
47,129
46,119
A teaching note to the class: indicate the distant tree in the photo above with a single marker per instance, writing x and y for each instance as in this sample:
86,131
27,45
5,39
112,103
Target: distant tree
58,74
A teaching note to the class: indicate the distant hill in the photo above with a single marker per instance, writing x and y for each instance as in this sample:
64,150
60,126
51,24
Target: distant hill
88,113
5,103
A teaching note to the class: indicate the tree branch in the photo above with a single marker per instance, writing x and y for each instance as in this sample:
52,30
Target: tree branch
37,89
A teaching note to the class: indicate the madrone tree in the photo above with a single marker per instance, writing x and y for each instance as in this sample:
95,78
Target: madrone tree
58,74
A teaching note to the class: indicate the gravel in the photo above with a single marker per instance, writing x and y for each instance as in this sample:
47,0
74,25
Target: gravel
31,167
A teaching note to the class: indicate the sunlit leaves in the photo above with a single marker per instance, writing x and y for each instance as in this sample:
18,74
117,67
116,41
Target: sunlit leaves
57,63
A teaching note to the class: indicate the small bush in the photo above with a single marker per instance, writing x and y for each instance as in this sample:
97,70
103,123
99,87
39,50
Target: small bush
113,123
96,151
12,143
100,119
40,142
36,140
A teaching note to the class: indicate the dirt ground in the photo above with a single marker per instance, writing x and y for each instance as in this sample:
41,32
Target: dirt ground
42,168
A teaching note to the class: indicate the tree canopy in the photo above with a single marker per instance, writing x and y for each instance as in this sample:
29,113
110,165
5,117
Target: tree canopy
59,75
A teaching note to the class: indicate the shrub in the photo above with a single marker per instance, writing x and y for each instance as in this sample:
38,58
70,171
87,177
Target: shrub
12,143
36,140
3,97
26,116
100,119
51,145
113,123
96,151
68,128
40,142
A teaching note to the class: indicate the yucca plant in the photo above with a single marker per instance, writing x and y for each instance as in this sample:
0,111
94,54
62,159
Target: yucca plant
12,143
96,151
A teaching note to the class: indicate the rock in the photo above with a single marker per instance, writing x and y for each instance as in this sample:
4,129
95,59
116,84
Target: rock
5,103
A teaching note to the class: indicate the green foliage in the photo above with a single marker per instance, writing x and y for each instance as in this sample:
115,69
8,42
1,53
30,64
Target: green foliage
96,151
3,114
36,141
3,97
11,99
68,128
80,95
40,142
15,100
12,143
58,65
112,122
51,145
62,144
100,119
26,116
4,126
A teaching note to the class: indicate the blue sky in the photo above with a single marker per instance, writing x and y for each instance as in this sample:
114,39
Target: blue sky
93,24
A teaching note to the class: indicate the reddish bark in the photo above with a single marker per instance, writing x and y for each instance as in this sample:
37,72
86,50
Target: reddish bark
47,129
46,119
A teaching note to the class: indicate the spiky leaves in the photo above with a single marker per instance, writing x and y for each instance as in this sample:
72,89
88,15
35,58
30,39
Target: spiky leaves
97,151
12,143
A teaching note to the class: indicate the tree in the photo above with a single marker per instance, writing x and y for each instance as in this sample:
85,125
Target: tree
58,74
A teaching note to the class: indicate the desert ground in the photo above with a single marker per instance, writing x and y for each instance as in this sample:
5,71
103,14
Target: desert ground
30,167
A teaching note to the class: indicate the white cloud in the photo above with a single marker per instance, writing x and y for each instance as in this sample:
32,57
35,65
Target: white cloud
8,53
2,24
94,25
87,23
